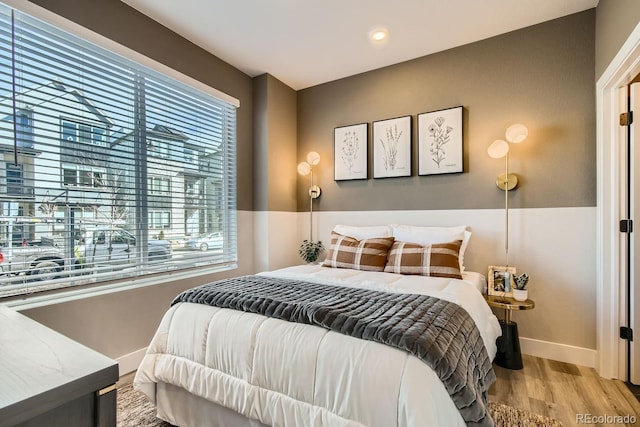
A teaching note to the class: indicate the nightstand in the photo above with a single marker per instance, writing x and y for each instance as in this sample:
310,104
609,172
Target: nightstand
508,355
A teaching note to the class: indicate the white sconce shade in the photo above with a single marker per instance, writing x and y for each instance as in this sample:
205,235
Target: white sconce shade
516,133
304,168
313,158
498,149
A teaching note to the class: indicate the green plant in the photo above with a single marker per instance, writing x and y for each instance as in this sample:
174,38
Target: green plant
521,281
310,251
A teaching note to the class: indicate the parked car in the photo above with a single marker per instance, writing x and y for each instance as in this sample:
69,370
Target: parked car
101,246
204,242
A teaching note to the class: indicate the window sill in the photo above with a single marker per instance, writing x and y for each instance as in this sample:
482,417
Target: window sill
27,302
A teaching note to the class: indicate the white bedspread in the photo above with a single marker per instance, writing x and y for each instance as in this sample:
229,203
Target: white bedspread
287,374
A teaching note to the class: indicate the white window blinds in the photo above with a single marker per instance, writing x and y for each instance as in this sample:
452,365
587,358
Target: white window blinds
108,169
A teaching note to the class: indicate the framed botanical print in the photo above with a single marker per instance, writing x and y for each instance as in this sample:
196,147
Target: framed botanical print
392,147
350,152
440,142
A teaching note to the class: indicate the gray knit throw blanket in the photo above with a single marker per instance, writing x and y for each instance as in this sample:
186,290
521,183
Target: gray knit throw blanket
438,332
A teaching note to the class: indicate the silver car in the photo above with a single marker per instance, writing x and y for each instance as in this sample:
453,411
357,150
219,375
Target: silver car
207,241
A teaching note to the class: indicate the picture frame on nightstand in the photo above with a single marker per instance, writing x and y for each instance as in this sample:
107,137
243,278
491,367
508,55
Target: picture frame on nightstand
501,281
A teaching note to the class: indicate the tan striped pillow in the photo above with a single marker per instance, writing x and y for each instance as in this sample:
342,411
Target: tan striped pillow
367,254
435,260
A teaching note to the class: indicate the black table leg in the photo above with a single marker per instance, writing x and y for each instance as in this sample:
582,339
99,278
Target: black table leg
508,355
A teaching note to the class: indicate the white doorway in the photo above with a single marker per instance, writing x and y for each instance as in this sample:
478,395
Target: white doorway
611,101
631,300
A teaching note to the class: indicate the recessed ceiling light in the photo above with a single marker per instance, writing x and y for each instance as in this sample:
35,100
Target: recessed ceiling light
378,35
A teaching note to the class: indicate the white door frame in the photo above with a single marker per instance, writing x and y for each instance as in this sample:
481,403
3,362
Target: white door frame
611,189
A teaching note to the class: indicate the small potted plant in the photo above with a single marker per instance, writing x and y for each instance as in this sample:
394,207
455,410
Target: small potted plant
310,251
520,293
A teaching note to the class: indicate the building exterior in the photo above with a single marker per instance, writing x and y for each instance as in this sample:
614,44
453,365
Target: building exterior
69,162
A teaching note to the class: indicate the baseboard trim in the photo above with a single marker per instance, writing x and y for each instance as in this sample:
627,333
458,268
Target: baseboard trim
130,362
545,349
560,352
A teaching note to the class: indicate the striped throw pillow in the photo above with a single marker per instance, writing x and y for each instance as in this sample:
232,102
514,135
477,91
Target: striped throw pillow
435,260
367,254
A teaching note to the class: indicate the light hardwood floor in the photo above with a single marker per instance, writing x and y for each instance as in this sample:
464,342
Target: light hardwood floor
562,391
554,389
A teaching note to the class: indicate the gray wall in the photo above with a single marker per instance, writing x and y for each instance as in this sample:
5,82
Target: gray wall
275,131
541,76
119,323
615,20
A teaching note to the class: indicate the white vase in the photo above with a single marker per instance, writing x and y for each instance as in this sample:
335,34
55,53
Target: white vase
520,294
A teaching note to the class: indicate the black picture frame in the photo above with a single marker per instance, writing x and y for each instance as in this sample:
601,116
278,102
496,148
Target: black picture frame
351,151
391,147
440,142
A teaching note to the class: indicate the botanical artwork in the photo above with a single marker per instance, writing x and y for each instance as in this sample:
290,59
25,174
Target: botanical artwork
392,147
501,280
440,142
439,136
350,152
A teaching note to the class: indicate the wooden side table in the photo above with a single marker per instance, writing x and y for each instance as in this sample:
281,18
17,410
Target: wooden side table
509,355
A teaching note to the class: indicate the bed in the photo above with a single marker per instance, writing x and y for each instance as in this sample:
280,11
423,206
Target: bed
232,366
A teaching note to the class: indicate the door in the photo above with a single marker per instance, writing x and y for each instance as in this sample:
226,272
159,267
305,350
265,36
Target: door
633,305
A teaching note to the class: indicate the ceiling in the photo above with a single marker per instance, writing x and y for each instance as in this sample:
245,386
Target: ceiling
305,43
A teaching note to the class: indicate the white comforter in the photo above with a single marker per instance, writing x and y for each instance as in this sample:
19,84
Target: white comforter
288,374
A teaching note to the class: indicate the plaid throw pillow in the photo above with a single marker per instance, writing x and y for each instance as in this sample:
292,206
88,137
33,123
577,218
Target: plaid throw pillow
367,254
435,260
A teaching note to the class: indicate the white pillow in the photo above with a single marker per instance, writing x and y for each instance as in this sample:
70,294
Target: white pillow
364,232
431,235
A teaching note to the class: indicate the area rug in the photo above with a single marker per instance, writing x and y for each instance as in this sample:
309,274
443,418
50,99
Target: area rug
135,411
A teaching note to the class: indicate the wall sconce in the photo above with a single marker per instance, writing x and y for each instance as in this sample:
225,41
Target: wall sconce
515,134
306,168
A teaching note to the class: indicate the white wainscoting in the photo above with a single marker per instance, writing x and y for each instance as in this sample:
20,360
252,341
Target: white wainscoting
130,362
560,352
556,246
548,350
276,240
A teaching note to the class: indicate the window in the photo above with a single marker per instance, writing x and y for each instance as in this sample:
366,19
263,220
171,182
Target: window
159,219
14,179
190,156
159,149
129,163
159,186
24,128
83,176
84,133
121,237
